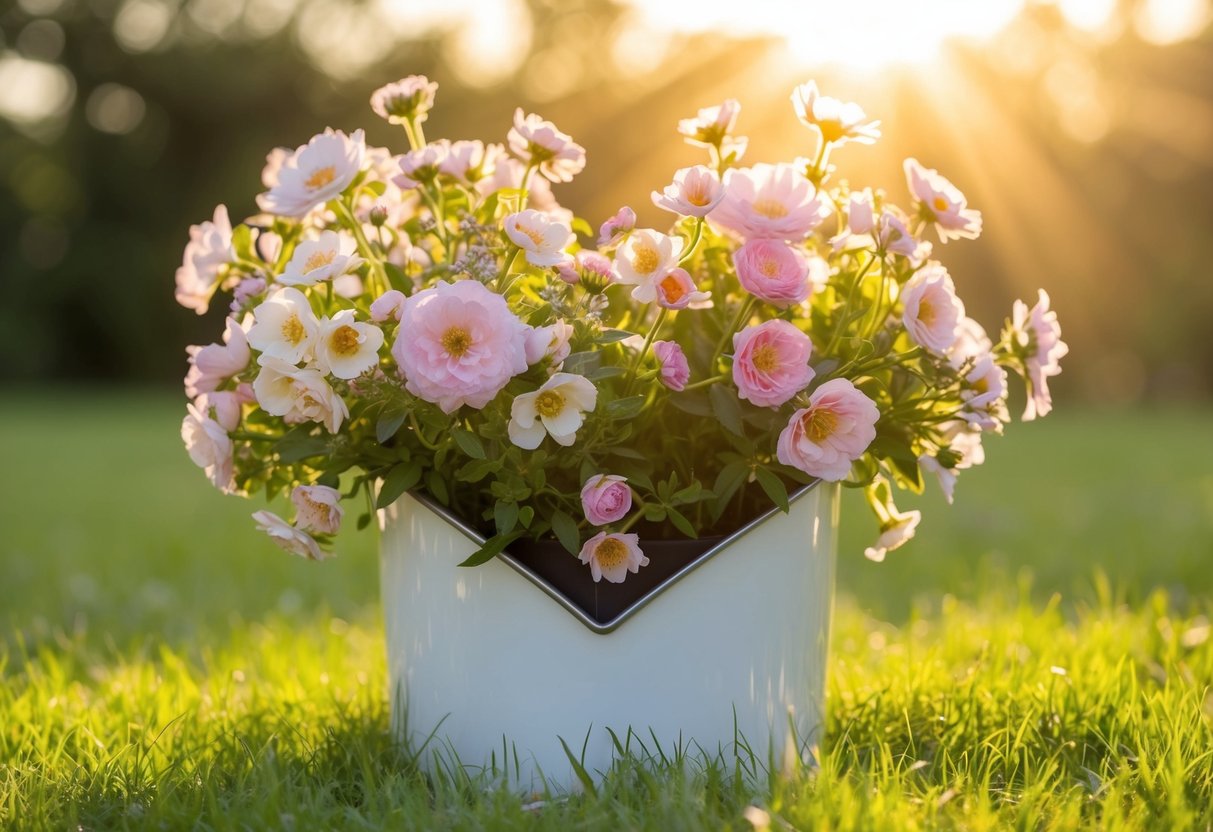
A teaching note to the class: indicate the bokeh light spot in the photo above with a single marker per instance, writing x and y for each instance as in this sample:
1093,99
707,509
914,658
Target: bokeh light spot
33,91
141,25
113,108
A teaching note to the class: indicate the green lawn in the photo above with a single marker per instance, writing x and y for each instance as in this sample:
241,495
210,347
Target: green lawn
1039,657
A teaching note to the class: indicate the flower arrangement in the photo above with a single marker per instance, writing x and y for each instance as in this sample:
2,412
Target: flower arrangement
435,320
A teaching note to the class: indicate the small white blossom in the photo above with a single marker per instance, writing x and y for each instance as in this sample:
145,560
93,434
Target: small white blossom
284,327
287,537
324,258
345,347
557,408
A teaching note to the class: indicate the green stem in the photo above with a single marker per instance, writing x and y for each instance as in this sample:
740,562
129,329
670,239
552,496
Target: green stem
743,314
694,243
818,170
706,382
420,434
502,283
648,341
845,316
364,245
525,186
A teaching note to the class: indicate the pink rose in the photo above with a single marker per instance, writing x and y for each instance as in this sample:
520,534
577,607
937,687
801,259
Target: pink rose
773,271
771,363
674,372
836,429
388,305
606,498
617,227
214,363
317,508
458,344
612,556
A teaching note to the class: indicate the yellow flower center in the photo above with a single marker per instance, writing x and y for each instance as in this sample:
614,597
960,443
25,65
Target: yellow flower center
672,289
611,553
769,268
698,196
819,424
831,129
982,385
319,260
456,341
320,178
765,358
939,203
926,312
645,259
770,208
292,330
535,236
549,403
344,340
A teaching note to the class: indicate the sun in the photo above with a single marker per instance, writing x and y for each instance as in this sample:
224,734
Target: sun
860,35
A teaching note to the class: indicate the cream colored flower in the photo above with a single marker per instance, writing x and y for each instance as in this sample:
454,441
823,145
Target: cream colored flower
284,327
345,347
288,537
541,237
283,389
317,508
557,408
644,258
313,261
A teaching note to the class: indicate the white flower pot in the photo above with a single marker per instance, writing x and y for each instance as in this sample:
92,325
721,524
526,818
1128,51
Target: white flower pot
484,664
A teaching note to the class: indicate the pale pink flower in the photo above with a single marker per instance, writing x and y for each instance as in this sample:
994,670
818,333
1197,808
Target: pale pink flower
971,343
213,364
421,166
538,142
388,305
932,309
551,341
207,252
940,202
838,122
471,161
347,348
1035,335
644,258
694,192
711,124
323,258
861,218
317,508
287,537
613,556
771,363
224,406
674,371
894,532
408,99
557,409
459,343
285,326
946,476
769,201
542,239
315,173
773,271
836,429
678,291
617,227
984,392
893,235
210,448
296,395
606,498
274,160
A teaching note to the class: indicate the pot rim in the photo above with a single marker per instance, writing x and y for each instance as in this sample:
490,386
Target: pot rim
556,595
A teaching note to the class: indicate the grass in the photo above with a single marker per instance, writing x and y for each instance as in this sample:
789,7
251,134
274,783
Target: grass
1038,658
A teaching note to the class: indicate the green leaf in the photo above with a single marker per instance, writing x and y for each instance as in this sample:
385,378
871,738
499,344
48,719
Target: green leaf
477,469
436,485
681,522
242,242
728,481
525,515
293,449
654,512
599,373
696,403
624,408
587,782
491,548
469,443
773,486
505,516
626,453
400,479
612,336
363,521
387,426
582,227
396,276
726,407
565,529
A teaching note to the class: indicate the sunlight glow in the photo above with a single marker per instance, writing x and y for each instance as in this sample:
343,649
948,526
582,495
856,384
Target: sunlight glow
860,34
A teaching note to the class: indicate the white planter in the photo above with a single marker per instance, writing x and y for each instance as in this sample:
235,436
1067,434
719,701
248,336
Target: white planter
493,669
